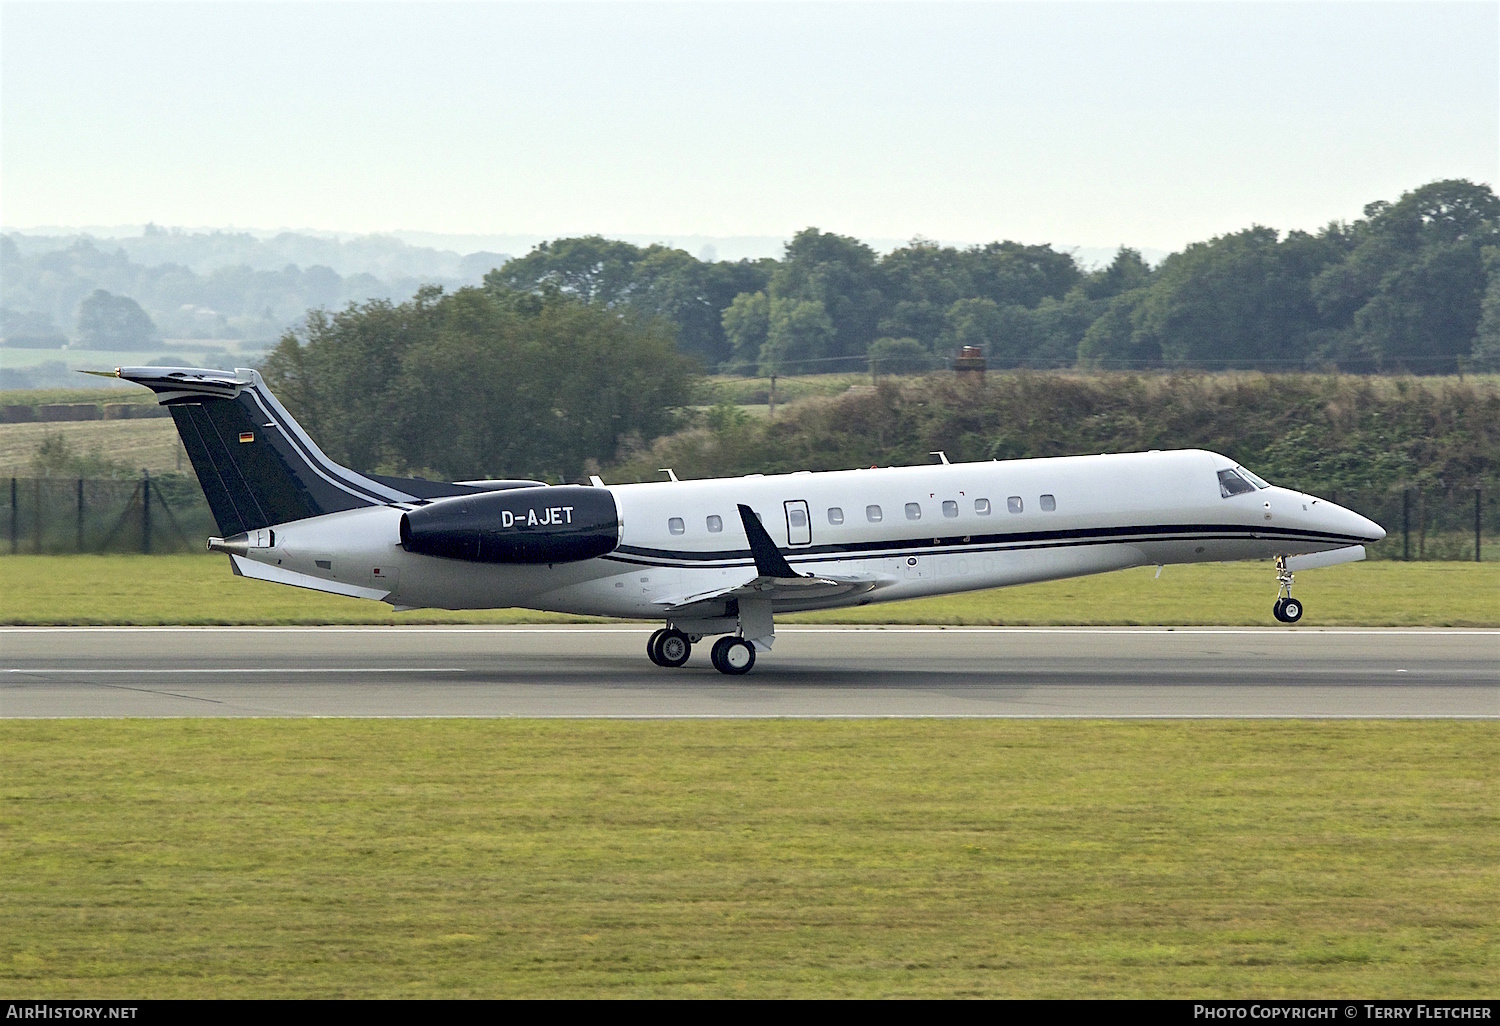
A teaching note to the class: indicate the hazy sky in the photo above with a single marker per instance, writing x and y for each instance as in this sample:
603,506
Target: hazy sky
1076,123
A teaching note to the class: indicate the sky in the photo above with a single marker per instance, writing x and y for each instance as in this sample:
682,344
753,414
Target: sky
1092,124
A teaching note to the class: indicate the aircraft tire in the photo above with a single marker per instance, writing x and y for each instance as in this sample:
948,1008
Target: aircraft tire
1291,610
733,656
651,644
673,648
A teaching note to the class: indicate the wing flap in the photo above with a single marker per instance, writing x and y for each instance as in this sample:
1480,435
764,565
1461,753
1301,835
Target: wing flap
782,591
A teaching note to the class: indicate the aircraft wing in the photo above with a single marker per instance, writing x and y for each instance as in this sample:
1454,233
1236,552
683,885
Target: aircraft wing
780,591
775,581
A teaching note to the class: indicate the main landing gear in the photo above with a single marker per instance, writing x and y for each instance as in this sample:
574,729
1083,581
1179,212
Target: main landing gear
670,648
1287,609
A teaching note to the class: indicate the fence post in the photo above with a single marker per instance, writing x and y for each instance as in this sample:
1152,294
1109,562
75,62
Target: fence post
1476,522
145,511
15,519
36,514
80,514
1406,524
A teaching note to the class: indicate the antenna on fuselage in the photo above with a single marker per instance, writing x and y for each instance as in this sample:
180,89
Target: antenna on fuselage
942,456
669,472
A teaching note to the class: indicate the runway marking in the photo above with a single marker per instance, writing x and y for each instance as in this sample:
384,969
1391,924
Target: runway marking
807,716
255,669
788,629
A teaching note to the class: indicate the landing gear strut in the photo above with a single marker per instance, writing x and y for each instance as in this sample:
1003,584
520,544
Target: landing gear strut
1287,609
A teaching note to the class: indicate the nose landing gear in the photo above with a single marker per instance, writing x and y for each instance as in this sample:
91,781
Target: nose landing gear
1287,609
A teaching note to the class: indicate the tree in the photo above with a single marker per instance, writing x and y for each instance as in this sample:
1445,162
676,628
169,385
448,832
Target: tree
901,356
1238,300
592,268
107,321
1410,291
839,273
746,322
482,382
24,329
1487,338
798,333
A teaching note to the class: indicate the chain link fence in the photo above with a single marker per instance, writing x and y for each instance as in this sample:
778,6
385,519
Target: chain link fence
168,514
144,514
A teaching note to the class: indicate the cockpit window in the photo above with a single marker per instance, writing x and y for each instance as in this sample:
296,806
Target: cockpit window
1230,483
1257,482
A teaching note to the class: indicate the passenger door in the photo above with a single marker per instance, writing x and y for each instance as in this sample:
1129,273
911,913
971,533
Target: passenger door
798,523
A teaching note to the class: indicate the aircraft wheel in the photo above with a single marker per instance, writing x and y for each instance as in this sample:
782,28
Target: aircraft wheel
651,644
1276,610
1291,610
673,649
733,656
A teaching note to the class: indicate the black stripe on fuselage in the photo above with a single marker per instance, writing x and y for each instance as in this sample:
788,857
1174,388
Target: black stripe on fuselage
982,543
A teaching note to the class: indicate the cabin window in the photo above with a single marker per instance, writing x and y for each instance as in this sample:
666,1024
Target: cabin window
1014,504
796,516
835,515
982,507
914,511
950,508
715,524
873,514
1231,483
676,526
1049,503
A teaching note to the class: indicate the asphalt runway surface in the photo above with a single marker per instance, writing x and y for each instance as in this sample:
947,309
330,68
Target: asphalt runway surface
602,671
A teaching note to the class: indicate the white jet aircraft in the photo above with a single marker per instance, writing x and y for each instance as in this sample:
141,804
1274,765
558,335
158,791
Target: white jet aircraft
722,556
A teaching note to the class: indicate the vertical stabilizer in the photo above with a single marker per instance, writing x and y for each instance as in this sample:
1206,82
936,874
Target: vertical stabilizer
257,466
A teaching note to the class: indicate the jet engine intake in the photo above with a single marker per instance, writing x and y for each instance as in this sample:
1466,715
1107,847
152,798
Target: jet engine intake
561,524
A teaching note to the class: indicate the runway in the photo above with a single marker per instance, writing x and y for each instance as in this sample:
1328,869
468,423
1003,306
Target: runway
590,671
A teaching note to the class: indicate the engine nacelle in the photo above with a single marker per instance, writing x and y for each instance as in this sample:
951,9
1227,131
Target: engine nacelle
561,524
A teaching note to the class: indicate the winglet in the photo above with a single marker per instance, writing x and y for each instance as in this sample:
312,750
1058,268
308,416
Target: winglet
769,562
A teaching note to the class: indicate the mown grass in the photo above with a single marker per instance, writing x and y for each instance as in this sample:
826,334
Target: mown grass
199,589
209,858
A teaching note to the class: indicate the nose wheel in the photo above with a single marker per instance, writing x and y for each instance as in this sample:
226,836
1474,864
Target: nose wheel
1287,609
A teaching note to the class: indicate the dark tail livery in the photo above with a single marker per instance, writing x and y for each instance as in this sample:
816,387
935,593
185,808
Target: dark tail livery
258,468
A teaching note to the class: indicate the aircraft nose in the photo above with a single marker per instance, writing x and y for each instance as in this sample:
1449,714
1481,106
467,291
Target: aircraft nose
1373,531
1363,528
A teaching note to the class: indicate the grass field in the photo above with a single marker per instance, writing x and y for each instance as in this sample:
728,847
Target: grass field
137,444
370,858
199,589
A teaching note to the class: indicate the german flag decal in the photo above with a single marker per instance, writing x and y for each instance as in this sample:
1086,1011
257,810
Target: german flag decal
247,436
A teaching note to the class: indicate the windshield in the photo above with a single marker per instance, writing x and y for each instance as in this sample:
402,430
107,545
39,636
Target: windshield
1230,483
1257,482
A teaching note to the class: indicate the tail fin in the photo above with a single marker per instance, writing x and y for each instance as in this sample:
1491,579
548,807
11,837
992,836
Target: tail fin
258,468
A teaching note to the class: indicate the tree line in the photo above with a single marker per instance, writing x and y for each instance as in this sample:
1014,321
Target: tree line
482,382
1414,285
1316,431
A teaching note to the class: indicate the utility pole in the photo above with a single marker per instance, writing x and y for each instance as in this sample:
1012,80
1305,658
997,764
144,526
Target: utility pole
80,515
145,511
773,395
